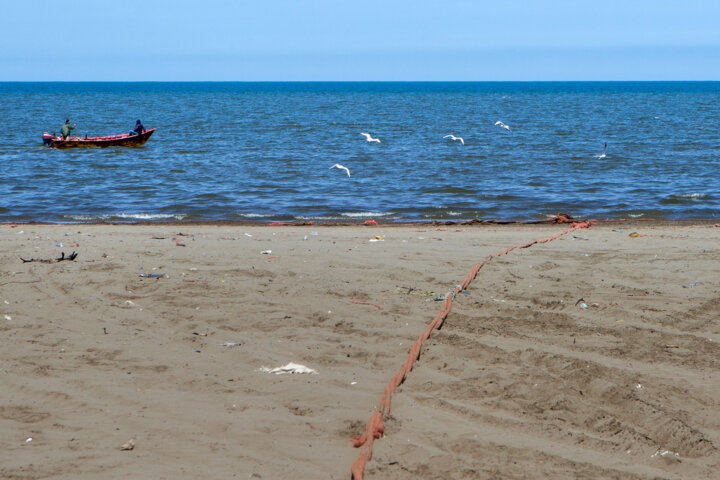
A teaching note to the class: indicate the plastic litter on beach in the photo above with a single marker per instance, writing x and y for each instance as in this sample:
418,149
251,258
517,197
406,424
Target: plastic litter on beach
378,238
61,258
8,317
581,303
266,252
289,368
231,344
151,275
694,284
365,302
663,453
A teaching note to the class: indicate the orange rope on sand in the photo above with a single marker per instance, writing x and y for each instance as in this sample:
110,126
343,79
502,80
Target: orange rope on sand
375,428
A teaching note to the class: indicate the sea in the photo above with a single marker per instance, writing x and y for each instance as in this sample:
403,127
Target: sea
263,152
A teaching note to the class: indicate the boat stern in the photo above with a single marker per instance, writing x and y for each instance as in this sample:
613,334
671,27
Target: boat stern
47,139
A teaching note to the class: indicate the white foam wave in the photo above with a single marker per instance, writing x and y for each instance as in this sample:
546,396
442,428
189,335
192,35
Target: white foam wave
367,214
694,196
130,216
149,216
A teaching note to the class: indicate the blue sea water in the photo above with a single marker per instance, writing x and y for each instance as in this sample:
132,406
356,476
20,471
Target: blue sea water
263,151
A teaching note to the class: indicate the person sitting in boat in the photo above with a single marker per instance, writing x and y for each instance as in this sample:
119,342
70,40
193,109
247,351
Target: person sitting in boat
66,129
139,128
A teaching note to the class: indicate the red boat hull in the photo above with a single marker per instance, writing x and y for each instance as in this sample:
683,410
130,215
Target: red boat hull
124,140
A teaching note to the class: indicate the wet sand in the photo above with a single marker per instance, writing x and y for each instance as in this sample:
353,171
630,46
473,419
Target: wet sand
521,382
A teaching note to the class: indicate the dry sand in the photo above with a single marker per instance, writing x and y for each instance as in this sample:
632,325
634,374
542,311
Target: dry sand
521,383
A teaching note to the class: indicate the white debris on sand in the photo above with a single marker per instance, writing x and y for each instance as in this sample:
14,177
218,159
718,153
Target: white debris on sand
289,368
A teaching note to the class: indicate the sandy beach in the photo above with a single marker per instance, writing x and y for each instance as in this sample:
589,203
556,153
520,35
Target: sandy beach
594,356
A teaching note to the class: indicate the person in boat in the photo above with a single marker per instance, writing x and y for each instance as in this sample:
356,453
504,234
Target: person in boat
66,129
139,128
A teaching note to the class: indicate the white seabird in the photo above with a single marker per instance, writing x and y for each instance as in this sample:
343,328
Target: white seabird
502,125
602,155
369,138
337,165
453,137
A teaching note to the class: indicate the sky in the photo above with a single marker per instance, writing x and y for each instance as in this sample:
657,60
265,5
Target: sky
335,40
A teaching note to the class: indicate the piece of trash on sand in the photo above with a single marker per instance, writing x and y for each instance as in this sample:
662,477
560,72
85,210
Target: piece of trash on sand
28,440
8,317
378,238
581,303
129,445
289,368
62,257
694,284
663,453
364,302
638,386
266,252
231,344
151,275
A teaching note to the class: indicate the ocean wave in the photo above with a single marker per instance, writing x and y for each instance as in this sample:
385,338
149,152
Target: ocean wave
124,216
366,214
694,196
685,198
150,216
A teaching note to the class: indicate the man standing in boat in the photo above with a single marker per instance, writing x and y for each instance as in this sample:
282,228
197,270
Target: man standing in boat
66,129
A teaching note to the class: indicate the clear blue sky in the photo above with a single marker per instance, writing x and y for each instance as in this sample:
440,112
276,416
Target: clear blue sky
281,40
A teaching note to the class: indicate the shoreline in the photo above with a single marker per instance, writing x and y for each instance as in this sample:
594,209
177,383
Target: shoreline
161,337
384,223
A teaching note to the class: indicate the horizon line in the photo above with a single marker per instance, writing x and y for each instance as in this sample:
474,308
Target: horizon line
360,81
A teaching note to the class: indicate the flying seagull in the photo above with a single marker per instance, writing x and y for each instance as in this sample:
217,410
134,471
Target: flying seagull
337,165
502,125
369,138
602,155
453,137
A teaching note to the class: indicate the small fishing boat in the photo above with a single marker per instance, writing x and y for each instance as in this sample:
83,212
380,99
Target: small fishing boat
123,140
